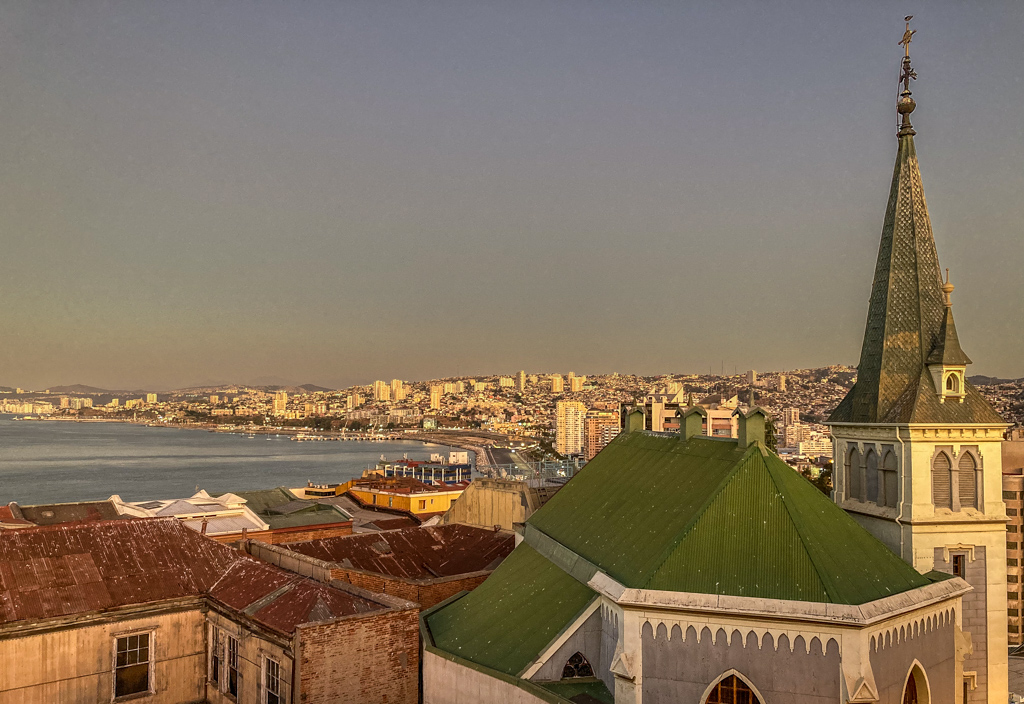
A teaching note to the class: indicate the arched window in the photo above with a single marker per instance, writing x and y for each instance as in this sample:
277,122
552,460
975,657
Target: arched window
577,666
871,475
968,471
732,690
915,691
853,474
942,495
891,479
952,384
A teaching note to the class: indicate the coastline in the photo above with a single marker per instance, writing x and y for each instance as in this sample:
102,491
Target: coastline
298,434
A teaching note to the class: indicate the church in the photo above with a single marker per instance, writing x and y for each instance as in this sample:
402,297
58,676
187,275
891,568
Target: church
688,568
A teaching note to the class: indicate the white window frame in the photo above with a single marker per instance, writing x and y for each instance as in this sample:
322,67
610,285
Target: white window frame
150,674
264,671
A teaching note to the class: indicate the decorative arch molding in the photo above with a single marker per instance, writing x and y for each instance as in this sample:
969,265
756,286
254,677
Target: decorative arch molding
908,629
738,675
808,642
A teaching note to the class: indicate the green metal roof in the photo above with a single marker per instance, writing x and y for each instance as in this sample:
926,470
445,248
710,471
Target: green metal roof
704,516
508,620
567,689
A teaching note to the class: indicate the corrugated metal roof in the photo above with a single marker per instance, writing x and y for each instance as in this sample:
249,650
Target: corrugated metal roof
217,525
52,514
423,552
506,621
70,569
705,516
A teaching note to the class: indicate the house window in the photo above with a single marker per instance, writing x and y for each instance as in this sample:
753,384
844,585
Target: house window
960,566
942,495
216,656
131,667
272,679
423,503
732,690
232,666
577,666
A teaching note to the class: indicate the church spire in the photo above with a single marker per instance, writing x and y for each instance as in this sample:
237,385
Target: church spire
908,319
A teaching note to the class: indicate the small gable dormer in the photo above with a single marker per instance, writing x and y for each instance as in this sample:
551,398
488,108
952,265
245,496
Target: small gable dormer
947,362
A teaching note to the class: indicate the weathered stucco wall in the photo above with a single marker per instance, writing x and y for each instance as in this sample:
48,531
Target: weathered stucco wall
586,639
251,650
678,669
75,665
932,645
447,682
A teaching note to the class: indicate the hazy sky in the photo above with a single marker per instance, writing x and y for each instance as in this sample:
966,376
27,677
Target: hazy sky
338,191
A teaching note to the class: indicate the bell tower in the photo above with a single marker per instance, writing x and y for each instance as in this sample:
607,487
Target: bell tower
916,448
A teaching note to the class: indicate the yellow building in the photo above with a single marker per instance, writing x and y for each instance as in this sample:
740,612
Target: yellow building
403,493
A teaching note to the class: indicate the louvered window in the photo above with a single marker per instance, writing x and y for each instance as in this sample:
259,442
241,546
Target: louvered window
941,489
968,481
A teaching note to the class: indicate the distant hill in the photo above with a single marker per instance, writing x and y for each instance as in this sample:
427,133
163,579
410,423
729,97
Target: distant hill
980,380
7,389
313,388
78,389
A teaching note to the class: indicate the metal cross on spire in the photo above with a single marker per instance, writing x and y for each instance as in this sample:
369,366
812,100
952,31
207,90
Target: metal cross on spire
905,105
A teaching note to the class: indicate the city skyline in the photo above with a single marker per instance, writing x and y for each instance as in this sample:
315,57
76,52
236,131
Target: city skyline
346,194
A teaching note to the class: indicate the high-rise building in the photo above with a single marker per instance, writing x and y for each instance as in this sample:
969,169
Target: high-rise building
460,387
397,390
214,399
435,396
569,418
505,382
150,398
521,381
599,427
65,402
790,416
381,391
449,387
752,378
557,384
479,387
280,403
576,382
917,448
782,382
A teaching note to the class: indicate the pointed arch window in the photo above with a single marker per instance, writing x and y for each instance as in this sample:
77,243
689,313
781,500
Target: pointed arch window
853,483
871,475
890,480
968,480
942,492
577,666
953,384
732,690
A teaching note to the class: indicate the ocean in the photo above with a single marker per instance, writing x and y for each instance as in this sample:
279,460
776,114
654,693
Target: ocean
57,461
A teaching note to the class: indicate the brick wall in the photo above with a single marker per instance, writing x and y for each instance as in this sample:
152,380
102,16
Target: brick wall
426,593
361,660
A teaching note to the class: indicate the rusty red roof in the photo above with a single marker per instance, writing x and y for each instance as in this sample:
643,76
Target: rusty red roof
69,569
424,552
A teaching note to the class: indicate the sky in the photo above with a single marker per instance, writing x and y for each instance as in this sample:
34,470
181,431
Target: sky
336,192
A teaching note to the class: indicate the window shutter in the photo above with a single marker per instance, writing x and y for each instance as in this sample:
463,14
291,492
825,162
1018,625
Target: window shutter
941,489
968,481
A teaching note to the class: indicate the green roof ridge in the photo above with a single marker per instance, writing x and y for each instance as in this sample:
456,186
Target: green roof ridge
688,527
